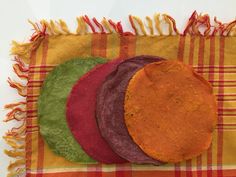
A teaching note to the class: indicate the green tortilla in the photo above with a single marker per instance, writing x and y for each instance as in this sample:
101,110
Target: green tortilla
52,107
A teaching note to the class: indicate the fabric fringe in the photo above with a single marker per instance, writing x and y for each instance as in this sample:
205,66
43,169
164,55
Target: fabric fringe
198,24
15,137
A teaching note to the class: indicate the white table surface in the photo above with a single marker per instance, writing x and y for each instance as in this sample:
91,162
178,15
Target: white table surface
14,25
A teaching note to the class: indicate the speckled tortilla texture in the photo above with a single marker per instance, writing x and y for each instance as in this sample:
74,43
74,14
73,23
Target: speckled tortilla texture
52,107
170,111
110,110
81,117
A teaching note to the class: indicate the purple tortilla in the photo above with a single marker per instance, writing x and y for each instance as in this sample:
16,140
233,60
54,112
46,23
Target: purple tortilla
110,110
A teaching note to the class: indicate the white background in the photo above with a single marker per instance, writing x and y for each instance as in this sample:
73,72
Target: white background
15,13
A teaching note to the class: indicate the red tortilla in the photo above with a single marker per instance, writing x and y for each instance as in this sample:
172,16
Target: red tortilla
81,106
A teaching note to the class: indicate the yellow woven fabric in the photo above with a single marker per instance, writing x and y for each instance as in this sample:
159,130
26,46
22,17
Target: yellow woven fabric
213,56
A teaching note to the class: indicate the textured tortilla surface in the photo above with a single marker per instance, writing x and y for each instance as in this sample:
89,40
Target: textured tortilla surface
170,111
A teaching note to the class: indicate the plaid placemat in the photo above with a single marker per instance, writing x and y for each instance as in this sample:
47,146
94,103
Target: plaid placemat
210,49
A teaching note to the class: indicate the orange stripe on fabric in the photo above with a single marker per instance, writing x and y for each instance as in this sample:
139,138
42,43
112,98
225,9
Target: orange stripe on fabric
220,106
191,50
29,121
127,46
99,45
211,77
153,174
94,170
201,53
228,173
103,45
40,139
189,168
191,57
181,48
98,48
200,68
127,50
123,170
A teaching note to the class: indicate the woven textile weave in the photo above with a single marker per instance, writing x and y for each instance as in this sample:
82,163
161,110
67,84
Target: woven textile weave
210,49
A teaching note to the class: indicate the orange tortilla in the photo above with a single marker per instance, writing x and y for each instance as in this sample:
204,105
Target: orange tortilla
170,111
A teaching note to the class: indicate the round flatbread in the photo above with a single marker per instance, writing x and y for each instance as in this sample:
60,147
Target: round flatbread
52,107
170,111
110,110
81,118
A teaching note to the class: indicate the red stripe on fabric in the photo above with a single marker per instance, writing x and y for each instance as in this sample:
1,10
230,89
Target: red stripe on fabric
94,174
34,85
199,166
40,139
98,48
177,170
181,48
226,99
227,109
201,53
216,67
219,81
225,95
94,44
31,111
32,96
211,77
103,45
225,128
189,168
200,63
191,56
32,101
123,170
28,154
222,85
42,66
220,106
127,46
127,50
153,173
99,45
181,58
226,124
228,173
35,81
94,170
226,115
40,71
191,50
219,72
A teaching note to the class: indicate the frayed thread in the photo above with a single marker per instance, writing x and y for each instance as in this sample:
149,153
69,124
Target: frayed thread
86,25
22,89
198,24
15,137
